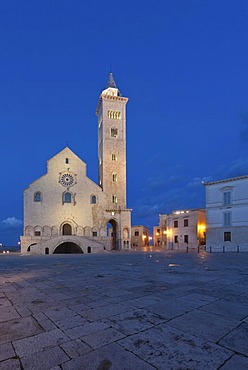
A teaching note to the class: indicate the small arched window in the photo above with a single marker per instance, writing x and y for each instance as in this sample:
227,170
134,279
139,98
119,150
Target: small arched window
67,197
37,196
114,157
114,177
66,229
67,160
93,199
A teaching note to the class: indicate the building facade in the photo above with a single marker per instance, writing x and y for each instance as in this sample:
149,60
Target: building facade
65,211
140,236
181,229
160,235
227,215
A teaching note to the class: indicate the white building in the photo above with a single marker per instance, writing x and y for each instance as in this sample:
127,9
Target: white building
181,229
227,214
64,210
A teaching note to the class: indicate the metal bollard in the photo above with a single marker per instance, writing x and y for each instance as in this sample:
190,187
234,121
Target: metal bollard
237,248
223,249
210,249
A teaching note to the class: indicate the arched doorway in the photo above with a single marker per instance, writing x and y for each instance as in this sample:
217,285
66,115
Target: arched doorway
67,248
66,229
28,250
112,231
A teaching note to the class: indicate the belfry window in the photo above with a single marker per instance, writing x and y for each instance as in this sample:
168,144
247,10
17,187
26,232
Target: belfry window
37,196
113,114
67,197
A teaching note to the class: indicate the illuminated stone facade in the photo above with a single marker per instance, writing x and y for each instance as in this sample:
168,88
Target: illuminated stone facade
65,211
181,229
140,236
227,215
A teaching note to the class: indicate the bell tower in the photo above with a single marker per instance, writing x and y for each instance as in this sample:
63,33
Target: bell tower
111,112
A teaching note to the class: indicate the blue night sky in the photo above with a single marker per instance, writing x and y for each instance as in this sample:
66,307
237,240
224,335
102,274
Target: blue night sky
182,63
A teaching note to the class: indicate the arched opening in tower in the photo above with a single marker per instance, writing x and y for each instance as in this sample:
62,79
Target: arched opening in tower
66,230
112,232
68,248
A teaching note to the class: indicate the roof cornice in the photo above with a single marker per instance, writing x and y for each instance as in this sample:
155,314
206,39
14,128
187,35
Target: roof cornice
226,180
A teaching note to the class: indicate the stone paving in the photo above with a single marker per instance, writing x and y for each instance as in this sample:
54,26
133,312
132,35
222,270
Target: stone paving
130,310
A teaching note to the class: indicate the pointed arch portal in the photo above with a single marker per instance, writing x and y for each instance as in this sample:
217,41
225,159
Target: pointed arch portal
67,248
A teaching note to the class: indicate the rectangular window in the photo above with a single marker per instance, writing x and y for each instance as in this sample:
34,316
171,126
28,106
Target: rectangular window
176,223
186,222
158,230
114,132
227,198
175,238
186,239
136,233
227,236
94,233
37,233
227,219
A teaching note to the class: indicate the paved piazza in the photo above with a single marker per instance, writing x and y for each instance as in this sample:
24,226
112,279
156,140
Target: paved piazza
130,310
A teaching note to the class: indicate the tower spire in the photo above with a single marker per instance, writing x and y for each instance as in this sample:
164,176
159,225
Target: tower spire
111,81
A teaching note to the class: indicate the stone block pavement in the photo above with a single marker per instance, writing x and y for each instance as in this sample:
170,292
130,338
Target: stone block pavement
124,310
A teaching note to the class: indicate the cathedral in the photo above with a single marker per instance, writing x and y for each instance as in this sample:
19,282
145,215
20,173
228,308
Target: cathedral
65,211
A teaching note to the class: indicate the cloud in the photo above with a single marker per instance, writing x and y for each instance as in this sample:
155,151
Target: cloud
167,192
10,231
234,169
194,183
238,168
175,179
170,198
10,223
155,183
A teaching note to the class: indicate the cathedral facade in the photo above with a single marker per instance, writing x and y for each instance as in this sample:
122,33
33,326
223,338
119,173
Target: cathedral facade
65,211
